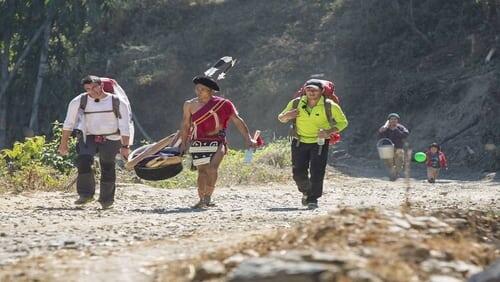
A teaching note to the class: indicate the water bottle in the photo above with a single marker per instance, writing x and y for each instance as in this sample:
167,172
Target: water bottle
321,141
248,156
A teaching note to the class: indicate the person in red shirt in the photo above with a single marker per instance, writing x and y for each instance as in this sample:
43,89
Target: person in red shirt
435,161
203,131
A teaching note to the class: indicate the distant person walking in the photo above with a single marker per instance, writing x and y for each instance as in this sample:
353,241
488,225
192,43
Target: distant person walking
397,133
313,128
436,160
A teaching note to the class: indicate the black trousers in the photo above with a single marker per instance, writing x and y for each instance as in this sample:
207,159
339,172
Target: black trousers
305,161
85,183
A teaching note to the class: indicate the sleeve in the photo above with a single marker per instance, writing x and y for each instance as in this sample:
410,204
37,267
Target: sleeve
339,117
124,122
403,131
382,134
71,115
229,108
287,108
444,161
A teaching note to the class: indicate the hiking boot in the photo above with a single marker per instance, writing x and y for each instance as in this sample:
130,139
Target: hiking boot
208,201
431,180
106,205
83,200
200,205
312,206
304,199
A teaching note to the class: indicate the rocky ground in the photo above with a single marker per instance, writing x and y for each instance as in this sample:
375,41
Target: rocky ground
152,234
359,245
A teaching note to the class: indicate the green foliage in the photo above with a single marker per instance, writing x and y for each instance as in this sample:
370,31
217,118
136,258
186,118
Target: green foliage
36,151
276,154
35,163
51,157
25,153
270,164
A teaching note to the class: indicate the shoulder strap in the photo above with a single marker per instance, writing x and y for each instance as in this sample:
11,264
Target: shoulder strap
295,105
115,103
116,106
328,112
210,112
83,101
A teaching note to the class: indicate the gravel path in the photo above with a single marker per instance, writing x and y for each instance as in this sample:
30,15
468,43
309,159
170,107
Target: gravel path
44,236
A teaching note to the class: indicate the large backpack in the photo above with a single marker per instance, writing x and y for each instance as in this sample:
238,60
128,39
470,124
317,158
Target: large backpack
110,85
328,93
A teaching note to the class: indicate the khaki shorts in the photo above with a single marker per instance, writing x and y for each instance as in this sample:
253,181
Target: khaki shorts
432,173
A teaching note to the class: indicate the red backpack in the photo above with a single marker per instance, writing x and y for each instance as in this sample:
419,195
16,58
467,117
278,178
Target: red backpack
108,85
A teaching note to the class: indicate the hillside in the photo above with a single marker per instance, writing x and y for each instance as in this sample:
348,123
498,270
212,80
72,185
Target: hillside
378,63
423,59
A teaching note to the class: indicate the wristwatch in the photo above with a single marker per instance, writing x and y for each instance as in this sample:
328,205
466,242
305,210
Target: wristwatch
126,146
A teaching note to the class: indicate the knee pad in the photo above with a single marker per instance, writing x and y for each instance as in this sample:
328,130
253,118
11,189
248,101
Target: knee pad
84,163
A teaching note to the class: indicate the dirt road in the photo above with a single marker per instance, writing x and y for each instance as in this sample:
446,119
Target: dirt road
44,236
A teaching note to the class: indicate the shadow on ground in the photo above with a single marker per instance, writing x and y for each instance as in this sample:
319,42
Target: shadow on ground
168,211
373,168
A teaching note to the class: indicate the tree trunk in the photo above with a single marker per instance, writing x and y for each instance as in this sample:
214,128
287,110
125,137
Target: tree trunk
6,81
42,72
4,76
3,123
4,60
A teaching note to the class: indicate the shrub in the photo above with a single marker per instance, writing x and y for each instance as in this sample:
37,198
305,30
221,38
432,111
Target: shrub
276,154
51,157
35,164
33,177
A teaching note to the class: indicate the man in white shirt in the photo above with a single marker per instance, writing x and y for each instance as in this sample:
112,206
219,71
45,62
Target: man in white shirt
102,124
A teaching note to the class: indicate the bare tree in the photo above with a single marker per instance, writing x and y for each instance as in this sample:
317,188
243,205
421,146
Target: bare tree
409,20
8,70
8,76
42,72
